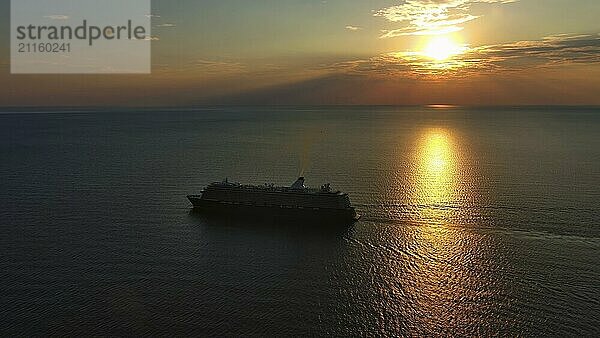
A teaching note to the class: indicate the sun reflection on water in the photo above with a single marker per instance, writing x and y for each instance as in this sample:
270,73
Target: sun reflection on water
436,177
443,276
433,261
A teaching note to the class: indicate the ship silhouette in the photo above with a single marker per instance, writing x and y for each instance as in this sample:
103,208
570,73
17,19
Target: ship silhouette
296,202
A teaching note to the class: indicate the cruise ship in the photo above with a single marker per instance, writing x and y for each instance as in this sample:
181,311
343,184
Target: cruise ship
295,202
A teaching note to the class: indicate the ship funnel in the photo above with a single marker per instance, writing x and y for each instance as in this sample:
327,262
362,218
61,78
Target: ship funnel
299,184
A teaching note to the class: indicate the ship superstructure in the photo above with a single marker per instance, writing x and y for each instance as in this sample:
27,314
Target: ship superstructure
295,201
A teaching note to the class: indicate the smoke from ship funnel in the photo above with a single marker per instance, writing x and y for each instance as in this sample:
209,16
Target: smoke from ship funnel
308,140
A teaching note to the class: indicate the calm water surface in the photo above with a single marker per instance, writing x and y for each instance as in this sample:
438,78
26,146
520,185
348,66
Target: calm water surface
476,221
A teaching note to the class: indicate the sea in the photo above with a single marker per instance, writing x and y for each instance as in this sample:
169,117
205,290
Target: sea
475,221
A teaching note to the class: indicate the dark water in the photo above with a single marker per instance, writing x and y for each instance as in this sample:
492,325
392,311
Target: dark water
475,222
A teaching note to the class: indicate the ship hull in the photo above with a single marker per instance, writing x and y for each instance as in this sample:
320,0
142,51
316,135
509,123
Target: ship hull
273,212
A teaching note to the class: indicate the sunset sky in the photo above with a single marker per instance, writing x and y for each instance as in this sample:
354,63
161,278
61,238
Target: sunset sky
485,52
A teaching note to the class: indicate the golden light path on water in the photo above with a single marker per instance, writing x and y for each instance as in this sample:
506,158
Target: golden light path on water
436,178
442,278
431,262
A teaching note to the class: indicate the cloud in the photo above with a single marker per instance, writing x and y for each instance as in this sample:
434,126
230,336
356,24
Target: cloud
4,64
353,28
430,17
57,17
210,67
552,51
166,25
562,49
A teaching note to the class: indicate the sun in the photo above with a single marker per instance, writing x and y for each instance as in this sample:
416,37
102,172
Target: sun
442,48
